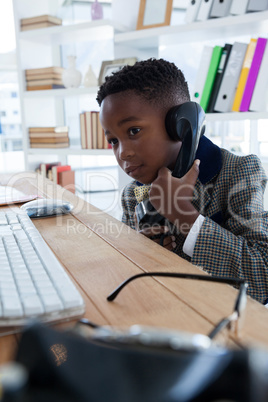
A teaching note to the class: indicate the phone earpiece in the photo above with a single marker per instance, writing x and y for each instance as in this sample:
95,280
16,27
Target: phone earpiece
185,123
184,117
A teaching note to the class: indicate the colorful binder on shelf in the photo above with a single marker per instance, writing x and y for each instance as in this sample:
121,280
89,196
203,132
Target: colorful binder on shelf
259,100
204,10
202,72
192,10
244,74
212,71
253,74
239,7
220,8
219,76
230,78
257,5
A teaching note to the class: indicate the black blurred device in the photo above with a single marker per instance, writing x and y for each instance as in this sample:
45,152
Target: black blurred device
65,367
184,123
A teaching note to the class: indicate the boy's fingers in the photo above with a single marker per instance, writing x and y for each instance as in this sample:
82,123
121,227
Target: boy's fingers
154,230
192,175
163,172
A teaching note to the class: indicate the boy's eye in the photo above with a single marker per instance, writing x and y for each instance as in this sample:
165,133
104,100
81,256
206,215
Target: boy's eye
113,141
134,130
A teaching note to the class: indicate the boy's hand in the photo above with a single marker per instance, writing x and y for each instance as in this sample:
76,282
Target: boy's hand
172,197
160,235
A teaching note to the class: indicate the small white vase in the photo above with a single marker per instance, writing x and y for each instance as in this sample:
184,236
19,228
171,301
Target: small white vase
71,77
90,79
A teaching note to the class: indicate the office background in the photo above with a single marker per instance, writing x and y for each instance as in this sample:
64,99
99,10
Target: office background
96,172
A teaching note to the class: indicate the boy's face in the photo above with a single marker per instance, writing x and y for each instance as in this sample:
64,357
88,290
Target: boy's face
138,136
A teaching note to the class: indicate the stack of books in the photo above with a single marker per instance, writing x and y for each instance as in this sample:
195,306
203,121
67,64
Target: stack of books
41,21
59,174
49,137
91,132
44,78
233,78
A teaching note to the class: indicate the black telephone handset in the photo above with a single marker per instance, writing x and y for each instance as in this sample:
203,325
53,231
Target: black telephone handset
184,123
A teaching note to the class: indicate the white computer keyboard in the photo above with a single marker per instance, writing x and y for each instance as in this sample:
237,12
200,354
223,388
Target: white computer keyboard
33,283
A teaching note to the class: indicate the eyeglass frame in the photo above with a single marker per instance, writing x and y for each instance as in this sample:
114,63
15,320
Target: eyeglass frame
240,302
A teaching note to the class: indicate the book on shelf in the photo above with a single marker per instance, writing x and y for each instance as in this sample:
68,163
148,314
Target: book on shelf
100,134
43,70
253,74
219,76
56,129
42,87
41,21
46,167
82,130
55,135
91,132
46,145
244,74
41,18
50,140
66,179
43,76
56,170
213,67
47,81
48,135
94,125
39,25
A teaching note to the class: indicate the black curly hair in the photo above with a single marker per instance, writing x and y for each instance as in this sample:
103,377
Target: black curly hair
156,80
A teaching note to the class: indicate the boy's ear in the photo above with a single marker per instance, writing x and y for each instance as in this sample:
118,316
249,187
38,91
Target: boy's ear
182,118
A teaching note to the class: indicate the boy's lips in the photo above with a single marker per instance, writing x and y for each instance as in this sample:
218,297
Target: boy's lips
132,170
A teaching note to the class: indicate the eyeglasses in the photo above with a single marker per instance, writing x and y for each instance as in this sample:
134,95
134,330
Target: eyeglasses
173,339
230,322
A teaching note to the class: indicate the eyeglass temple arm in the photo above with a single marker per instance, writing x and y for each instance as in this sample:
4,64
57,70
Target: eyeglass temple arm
229,281
240,305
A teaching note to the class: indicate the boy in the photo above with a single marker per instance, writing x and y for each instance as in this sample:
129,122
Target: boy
217,207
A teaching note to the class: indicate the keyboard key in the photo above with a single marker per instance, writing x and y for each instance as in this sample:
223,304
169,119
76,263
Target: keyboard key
52,303
32,305
3,219
11,306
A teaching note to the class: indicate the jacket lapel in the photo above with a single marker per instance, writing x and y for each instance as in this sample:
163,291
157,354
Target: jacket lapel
210,166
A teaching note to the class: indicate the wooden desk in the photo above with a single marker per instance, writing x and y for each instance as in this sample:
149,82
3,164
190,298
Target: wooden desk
100,252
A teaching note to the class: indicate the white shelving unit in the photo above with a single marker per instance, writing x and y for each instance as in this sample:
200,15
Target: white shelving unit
143,44
199,31
49,40
98,30
69,151
59,93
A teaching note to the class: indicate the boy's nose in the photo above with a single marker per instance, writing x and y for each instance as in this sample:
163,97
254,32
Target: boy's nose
125,152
